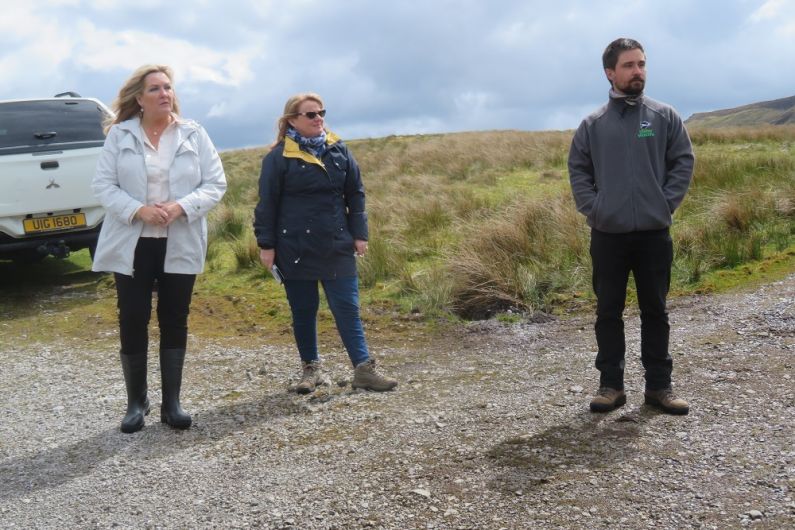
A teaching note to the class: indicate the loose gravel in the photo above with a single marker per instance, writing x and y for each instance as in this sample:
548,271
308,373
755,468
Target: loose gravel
489,429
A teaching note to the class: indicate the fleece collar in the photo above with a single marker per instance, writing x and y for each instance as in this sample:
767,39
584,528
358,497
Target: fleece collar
616,95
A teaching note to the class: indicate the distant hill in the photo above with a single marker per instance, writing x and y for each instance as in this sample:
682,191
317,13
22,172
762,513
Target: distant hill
774,112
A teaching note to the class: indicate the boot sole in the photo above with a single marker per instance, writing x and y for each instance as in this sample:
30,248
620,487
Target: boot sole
373,389
181,426
177,425
619,402
134,428
670,410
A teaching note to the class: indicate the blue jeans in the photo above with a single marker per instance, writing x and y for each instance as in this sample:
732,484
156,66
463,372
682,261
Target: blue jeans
343,300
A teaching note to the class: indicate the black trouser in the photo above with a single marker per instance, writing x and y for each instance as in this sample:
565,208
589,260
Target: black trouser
649,256
134,293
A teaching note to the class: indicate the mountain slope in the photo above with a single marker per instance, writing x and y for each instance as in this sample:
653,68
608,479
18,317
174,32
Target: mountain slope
774,112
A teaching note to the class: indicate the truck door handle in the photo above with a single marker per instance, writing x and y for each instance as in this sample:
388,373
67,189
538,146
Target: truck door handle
53,164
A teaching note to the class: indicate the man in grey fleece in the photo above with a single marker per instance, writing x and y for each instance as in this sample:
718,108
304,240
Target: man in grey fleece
630,165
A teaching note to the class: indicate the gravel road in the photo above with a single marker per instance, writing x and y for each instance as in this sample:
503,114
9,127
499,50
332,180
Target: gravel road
489,429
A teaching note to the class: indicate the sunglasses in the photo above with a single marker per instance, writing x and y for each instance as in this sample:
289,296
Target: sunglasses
312,114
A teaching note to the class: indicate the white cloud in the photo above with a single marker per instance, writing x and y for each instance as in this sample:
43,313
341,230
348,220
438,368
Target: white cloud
472,101
40,53
780,14
517,33
474,107
114,5
31,49
102,49
218,110
768,11
395,67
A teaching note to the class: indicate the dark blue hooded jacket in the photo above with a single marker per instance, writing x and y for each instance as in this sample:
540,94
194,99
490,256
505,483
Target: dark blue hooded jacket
310,210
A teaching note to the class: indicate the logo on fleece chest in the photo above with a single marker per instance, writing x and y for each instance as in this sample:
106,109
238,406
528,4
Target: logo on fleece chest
645,130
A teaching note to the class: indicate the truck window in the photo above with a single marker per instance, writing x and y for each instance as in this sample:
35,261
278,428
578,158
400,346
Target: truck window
31,126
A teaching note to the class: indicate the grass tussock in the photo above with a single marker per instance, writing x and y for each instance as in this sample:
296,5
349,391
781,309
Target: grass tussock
471,224
535,248
245,251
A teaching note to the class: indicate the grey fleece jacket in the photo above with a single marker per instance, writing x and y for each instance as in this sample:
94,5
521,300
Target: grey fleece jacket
630,166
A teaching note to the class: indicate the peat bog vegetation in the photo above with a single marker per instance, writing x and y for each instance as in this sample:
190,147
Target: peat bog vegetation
466,225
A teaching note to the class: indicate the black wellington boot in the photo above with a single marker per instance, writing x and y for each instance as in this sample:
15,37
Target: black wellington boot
171,412
134,368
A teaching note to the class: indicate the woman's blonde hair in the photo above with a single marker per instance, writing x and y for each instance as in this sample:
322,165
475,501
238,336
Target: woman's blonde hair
126,105
291,111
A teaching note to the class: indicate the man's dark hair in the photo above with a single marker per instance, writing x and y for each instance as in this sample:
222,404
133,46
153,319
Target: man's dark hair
615,48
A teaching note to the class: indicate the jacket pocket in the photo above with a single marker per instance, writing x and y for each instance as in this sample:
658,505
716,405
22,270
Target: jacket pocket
593,217
289,245
343,242
185,174
131,173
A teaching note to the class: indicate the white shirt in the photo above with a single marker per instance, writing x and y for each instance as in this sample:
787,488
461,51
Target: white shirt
157,184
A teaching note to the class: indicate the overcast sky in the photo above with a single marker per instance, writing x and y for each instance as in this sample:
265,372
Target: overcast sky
398,67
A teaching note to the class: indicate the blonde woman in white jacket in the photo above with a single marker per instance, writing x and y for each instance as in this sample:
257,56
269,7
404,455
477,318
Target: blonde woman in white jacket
157,177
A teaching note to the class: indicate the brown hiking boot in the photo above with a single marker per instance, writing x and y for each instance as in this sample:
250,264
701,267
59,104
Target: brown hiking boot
607,399
310,377
365,376
666,400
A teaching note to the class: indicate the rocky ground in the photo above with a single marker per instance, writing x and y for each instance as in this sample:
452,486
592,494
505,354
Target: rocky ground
488,429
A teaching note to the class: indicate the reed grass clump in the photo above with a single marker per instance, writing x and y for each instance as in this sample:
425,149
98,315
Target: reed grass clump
228,221
245,252
533,249
471,224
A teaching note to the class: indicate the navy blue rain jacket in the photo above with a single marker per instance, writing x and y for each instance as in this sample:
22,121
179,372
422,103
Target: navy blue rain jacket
311,210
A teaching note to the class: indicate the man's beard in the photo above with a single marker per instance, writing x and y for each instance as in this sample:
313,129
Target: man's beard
634,87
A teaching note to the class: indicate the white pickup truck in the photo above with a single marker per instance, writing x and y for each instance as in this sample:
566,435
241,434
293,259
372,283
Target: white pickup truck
48,154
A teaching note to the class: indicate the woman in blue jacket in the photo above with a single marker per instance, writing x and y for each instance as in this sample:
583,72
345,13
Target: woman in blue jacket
311,224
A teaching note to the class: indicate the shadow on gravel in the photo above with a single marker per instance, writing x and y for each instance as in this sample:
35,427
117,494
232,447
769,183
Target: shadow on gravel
31,288
50,468
589,441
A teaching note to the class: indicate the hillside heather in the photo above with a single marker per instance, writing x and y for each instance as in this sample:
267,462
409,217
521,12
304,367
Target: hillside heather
774,112
475,224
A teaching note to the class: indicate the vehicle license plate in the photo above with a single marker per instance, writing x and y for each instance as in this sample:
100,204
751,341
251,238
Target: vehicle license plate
54,222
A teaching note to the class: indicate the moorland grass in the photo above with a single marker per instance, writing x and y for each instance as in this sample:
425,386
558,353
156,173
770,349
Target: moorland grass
470,224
